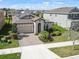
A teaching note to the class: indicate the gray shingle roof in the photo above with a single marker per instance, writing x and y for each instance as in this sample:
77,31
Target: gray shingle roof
18,20
64,10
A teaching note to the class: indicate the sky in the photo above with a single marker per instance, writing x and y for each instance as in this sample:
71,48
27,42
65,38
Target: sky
38,4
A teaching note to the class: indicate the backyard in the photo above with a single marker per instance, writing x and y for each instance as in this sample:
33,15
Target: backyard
11,56
66,51
6,32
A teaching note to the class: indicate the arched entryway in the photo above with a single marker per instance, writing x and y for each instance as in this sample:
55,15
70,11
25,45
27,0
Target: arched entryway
39,27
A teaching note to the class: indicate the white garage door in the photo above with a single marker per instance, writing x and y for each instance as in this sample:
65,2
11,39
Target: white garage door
25,28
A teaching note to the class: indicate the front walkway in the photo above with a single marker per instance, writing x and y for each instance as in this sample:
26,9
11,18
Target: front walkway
30,40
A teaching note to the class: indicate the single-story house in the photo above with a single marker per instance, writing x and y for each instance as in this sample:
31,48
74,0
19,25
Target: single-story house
66,17
28,23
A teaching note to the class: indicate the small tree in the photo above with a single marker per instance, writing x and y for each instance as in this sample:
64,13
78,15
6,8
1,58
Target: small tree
49,36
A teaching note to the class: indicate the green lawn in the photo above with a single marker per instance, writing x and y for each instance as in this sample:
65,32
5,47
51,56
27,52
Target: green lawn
66,51
62,38
56,27
9,45
11,56
66,36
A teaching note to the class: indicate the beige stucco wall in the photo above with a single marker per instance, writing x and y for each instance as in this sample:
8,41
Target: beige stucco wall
60,19
36,25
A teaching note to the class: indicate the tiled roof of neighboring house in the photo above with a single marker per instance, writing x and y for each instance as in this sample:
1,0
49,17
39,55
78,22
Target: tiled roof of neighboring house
23,13
64,10
26,16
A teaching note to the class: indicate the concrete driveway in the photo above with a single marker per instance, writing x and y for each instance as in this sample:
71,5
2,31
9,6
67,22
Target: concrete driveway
37,52
31,39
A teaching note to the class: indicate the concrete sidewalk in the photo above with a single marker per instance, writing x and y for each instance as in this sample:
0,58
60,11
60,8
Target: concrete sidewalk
10,50
60,44
40,51
72,57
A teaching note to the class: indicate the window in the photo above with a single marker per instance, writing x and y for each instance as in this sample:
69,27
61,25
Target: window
70,16
73,16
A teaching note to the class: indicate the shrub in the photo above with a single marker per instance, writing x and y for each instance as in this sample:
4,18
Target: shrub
55,27
43,36
9,41
8,37
3,40
1,36
50,30
56,33
15,36
53,34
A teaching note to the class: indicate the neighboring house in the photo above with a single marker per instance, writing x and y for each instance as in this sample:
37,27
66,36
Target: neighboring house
11,12
66,17
28,23
1,19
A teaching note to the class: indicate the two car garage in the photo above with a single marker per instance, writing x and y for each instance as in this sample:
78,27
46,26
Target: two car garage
25,28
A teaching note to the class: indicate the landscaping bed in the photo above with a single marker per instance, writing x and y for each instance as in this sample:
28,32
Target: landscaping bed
66,51
54,34
11,56
8,39
58,34
60,38
13,44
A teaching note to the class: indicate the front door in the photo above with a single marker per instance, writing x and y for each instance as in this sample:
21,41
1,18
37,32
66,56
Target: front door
39,27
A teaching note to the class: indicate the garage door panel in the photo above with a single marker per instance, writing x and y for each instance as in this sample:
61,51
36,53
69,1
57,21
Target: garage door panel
27,28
